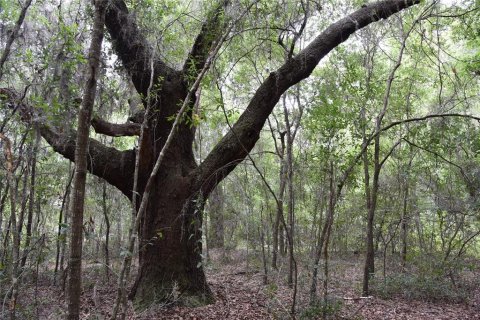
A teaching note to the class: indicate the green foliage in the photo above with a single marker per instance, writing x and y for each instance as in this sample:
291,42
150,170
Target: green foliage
420,287
322,308
271,289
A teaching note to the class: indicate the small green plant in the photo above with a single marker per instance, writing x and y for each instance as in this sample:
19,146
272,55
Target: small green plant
327,307
271,289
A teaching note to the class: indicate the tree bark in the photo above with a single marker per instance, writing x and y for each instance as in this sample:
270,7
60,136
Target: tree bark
61,234
13,226
31,204
291,203
278,241
3,200
405,215
332,201
107,230
13,35
216,206
80,175
170,246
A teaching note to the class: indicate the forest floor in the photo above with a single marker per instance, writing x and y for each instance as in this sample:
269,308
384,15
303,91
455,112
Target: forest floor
241,294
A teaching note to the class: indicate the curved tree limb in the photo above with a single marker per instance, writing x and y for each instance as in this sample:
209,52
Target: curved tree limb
234,146
468,181
210,32
108,163
133,48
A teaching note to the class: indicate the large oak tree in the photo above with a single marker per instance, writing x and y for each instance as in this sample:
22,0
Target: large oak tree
170,236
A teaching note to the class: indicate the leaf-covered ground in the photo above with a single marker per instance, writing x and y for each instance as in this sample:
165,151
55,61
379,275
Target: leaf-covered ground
241,294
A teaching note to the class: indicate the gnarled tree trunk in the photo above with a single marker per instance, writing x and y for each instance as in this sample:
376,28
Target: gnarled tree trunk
170,230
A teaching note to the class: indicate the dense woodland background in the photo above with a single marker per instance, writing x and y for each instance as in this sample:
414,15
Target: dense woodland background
360,199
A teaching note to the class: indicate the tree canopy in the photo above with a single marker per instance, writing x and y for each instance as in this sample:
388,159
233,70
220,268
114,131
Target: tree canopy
296,131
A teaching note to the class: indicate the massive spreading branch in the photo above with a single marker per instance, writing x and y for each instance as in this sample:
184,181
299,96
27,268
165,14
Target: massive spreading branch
177,186
63,141
244,134
135,52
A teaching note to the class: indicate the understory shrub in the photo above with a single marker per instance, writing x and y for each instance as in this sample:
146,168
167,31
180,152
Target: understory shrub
321,308
420,287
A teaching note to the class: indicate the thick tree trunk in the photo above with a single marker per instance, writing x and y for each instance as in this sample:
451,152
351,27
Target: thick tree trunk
170,233
171,268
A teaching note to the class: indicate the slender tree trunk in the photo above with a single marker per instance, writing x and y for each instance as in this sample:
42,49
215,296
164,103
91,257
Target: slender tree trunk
216,205
291,209
369,267
405,215
420,234
62,227
278,239
13,225
107,230
13,35
372,198
78,190
323,235
404,224
31,205
24,198
326,269
63,237
292,126
262,242
317,221
327,238
3,200
119,231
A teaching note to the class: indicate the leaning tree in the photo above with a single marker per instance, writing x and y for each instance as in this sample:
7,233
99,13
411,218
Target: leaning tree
170,230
